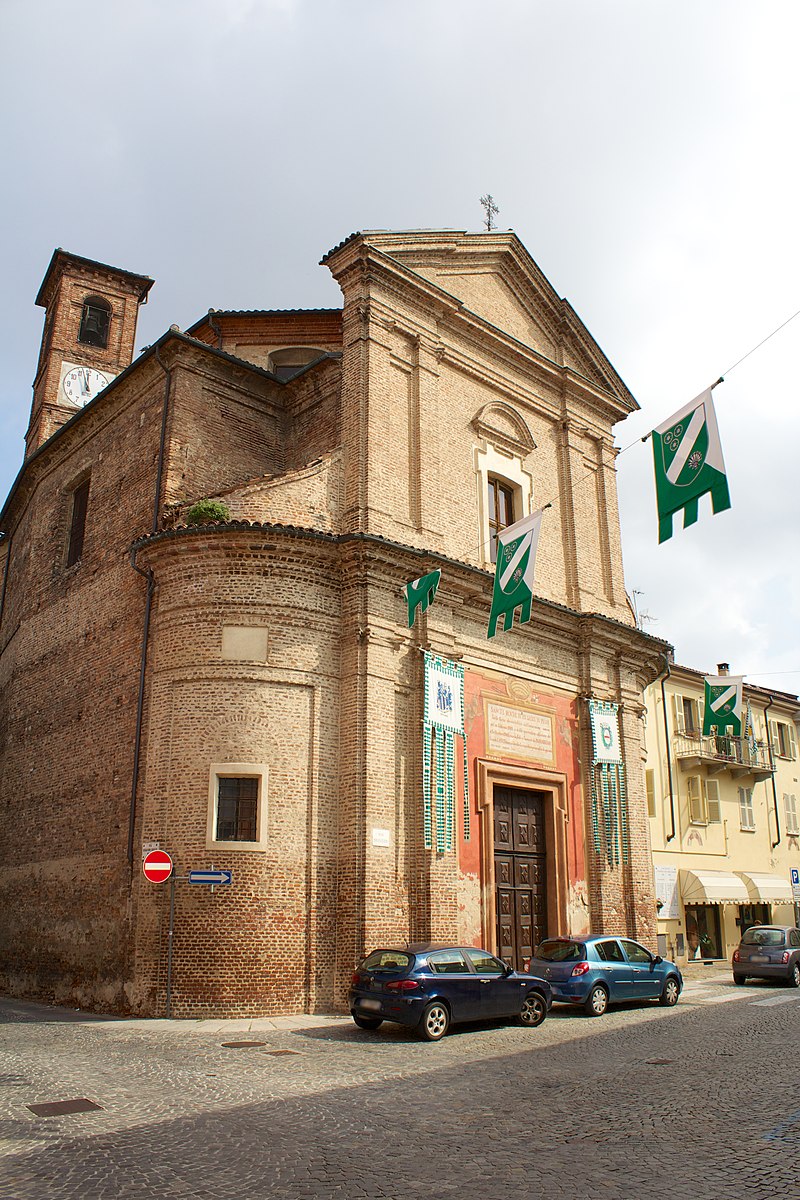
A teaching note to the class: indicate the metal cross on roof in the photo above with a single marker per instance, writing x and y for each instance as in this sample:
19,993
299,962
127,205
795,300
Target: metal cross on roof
491,210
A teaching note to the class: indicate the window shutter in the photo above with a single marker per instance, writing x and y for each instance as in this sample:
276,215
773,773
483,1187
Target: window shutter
773,737
746,817
712,802
650,789
697,719
695,797
792,747
677,713
790,804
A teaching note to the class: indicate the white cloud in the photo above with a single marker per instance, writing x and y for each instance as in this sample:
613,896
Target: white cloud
645,154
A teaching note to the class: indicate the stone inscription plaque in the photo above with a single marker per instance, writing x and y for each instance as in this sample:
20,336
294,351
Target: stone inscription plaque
520,733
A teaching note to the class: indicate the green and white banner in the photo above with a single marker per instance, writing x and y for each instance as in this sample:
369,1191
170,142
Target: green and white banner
420,593
609,790
688,463
723,704
443,721
513,578
605,732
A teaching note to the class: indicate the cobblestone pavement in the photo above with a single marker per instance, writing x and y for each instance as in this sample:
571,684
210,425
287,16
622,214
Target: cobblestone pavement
700,1101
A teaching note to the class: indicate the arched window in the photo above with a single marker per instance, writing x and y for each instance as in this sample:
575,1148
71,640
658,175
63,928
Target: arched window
290,362
95,321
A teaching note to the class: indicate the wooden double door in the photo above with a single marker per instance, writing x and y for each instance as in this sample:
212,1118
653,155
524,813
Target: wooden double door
520,870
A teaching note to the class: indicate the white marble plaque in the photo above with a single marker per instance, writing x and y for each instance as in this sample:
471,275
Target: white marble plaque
519,732
667,892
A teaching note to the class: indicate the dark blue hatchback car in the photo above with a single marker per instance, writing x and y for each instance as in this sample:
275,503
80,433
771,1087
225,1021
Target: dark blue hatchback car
429,987
600,970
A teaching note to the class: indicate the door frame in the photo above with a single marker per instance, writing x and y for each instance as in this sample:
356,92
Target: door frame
530,779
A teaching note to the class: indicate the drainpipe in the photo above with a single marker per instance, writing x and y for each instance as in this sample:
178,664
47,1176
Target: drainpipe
664,678
148,605
772,763
5,539
215,328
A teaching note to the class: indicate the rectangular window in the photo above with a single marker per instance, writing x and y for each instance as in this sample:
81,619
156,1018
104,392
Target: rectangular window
790,805
697,800
713,811
77,526
650,789
783,739
501,511
237,808
702,931
747,818
686,711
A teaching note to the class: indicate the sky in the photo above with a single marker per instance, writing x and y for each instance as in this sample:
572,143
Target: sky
644,151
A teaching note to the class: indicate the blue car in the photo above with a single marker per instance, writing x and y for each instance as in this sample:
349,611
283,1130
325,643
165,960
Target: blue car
598,971
429,987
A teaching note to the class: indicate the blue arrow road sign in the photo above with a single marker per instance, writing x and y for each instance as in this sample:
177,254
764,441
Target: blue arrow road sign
210,876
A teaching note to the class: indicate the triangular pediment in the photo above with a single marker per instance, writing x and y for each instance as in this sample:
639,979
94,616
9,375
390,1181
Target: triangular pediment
492,275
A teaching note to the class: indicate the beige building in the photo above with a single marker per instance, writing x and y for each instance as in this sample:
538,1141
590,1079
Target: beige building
724,816
247,695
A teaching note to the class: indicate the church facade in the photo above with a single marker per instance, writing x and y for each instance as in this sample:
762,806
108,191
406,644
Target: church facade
247,694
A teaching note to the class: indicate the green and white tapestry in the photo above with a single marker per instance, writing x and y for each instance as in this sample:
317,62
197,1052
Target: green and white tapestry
420,593
688,461
513,577
443,721
609,793
723,704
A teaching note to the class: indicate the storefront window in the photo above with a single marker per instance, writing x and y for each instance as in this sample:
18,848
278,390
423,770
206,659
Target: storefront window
752,914
702,931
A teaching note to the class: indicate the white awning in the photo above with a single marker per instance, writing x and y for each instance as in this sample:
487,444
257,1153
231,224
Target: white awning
769,888
713,887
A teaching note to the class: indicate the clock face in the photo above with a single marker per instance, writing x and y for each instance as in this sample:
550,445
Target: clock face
82,384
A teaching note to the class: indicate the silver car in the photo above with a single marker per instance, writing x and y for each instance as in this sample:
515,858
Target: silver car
768,952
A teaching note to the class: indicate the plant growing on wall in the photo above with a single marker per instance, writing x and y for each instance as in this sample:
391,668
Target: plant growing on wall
207,512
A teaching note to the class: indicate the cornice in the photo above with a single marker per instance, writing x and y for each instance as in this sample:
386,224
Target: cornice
474,583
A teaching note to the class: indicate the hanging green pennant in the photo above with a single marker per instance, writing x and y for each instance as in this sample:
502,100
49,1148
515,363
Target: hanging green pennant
420,593
513,577
723,704
443,721
688,461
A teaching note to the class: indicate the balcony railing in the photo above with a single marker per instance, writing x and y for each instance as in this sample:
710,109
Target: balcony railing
723,752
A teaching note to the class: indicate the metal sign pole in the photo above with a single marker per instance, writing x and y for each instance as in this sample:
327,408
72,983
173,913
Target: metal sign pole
169,943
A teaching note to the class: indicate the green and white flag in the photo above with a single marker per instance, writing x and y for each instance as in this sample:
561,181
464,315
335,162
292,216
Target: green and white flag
688,463
420,593
513,577
723,704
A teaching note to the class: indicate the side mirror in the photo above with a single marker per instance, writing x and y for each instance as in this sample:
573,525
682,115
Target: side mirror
658,959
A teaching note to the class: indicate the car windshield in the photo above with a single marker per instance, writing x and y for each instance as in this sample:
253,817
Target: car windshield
763,937
560,951
386,960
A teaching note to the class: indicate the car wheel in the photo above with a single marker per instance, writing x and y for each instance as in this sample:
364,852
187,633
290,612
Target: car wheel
367,1022
534,1010
740,979
597,1001
794,975
435,1022
670,992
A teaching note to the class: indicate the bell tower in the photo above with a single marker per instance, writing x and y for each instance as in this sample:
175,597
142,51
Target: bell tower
91,311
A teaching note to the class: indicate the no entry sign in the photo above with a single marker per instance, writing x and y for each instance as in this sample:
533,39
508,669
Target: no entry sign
157,866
